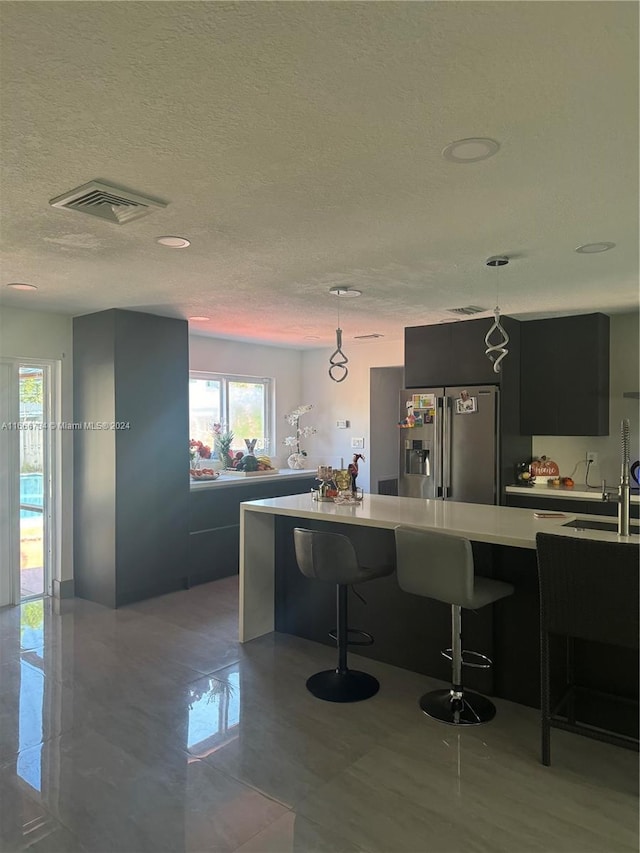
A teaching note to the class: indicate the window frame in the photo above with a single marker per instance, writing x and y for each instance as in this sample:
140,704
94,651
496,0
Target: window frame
224,379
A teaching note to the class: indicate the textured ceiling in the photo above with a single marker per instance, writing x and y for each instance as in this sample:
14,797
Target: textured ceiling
298,146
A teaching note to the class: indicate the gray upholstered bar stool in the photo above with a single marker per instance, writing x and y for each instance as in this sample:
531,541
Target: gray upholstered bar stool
331,557
440,566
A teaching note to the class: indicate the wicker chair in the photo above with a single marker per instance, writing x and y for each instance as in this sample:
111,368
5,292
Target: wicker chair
588,591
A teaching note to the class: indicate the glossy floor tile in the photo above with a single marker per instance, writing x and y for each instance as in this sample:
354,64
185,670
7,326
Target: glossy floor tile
151,728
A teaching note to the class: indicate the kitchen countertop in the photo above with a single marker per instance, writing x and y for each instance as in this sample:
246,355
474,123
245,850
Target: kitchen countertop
579,492
498,525
238,480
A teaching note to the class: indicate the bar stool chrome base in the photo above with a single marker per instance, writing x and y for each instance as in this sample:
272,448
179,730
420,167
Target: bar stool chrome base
348,686
458,709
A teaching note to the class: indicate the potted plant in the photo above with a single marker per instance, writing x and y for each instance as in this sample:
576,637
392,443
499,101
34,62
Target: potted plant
297,457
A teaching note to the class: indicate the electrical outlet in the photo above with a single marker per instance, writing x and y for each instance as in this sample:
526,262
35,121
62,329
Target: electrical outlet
342,424
357,443
592,457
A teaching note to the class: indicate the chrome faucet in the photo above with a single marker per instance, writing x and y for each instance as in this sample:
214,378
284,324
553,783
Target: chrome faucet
623,498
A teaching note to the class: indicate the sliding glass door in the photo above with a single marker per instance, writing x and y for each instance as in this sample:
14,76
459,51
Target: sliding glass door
26,510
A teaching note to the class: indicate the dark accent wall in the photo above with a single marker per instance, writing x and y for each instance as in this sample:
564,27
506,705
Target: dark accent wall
131,484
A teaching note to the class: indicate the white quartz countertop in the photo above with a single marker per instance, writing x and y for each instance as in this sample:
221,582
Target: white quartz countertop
479,522
579,492
240,480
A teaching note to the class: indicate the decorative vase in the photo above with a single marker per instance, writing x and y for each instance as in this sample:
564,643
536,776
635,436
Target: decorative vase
296,460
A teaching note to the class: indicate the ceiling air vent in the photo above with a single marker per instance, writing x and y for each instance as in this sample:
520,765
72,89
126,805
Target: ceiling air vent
111,203
467,310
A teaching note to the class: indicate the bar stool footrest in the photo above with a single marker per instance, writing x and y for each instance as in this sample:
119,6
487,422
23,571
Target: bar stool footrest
447,653
366,641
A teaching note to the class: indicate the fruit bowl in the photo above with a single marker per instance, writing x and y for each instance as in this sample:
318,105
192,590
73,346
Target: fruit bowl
201,475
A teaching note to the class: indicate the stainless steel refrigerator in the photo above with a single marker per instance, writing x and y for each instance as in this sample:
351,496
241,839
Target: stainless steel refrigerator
449,443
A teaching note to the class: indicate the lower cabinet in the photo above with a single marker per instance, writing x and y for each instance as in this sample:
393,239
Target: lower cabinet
214,523
578,507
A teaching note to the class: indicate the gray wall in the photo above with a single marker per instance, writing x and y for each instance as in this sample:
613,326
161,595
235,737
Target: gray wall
132,483
385,386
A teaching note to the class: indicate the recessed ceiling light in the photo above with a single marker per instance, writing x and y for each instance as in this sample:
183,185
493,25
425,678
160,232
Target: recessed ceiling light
173,242
198,319
470,150
21,286
311,338
594,248
346,292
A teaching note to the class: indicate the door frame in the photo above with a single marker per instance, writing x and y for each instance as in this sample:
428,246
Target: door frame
52,486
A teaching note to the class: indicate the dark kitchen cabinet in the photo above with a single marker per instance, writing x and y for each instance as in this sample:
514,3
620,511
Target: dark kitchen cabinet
214,522
568,505
449,354
564,376
426,355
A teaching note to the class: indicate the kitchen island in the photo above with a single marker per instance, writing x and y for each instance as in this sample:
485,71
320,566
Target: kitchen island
410,631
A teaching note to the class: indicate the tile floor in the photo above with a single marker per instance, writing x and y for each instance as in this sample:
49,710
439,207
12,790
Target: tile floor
150,729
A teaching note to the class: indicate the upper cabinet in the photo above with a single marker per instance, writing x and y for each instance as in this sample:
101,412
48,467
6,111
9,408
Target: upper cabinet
451,354
564,376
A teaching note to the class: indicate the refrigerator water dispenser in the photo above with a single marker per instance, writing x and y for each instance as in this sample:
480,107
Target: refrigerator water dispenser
417,457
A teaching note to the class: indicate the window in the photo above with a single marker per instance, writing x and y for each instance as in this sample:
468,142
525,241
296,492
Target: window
241,403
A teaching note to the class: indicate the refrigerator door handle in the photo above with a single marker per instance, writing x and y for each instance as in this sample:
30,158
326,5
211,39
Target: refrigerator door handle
446,447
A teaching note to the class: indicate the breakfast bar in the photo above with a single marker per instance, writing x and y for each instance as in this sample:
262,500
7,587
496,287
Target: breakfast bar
409,631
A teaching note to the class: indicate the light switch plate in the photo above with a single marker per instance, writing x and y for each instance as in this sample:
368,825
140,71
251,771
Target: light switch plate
357,443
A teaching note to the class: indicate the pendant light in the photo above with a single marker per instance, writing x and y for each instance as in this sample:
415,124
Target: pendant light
498,350
338,370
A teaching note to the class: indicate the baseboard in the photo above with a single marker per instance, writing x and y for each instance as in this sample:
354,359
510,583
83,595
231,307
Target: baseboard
64,589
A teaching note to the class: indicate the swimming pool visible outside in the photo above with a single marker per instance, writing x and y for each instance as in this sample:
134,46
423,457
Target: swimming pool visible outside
31,493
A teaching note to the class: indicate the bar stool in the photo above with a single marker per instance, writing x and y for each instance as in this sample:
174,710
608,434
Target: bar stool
588,591
331,557
440,566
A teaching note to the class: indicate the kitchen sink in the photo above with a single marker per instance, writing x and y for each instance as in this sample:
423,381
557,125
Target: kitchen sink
589,524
